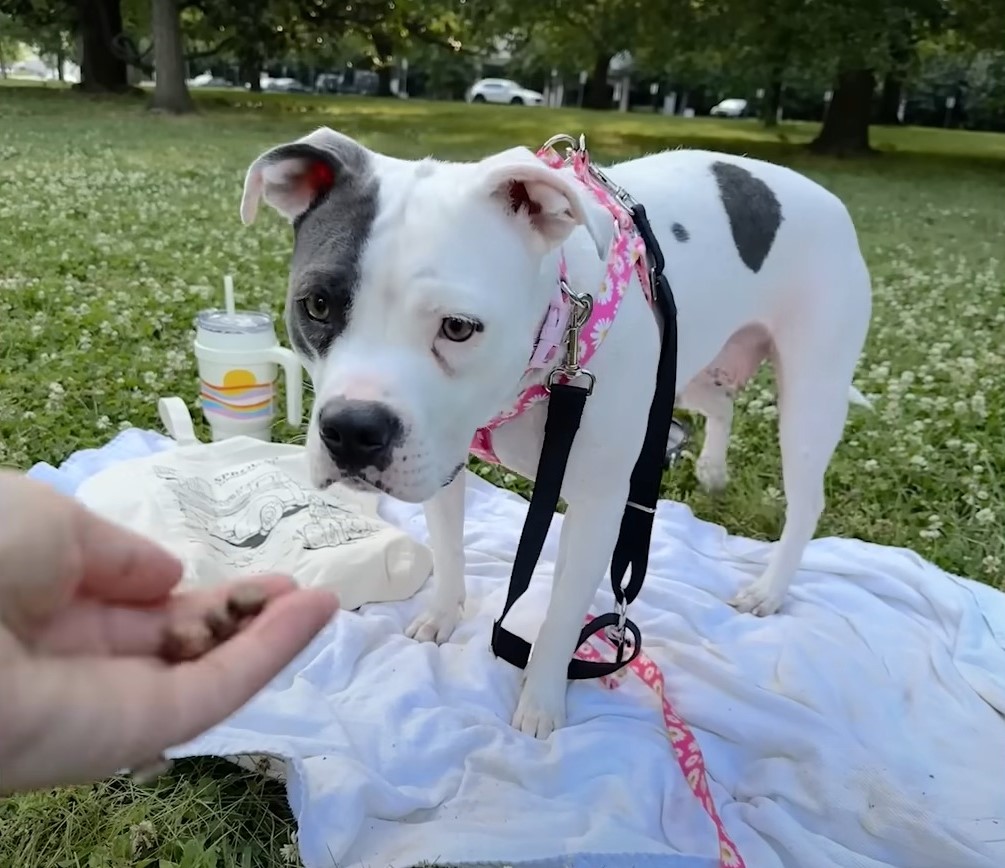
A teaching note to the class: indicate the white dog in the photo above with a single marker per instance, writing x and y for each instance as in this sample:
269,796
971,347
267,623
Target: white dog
417,293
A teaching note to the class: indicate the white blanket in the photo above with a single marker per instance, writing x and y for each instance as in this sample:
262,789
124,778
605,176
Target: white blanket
861,726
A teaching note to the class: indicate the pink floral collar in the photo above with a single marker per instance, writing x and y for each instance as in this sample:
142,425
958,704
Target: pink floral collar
627,253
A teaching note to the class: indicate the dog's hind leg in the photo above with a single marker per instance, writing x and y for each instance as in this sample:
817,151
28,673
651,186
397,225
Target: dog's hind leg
712,392
715,402
813,375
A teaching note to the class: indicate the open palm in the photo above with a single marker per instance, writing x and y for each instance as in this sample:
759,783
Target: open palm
84,610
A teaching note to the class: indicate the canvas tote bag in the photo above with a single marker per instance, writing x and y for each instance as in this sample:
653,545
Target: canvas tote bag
242,506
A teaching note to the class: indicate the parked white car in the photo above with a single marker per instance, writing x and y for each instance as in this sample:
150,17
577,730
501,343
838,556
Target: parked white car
502,90
729,108
207,79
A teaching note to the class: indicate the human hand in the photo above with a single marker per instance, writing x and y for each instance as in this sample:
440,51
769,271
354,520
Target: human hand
85,609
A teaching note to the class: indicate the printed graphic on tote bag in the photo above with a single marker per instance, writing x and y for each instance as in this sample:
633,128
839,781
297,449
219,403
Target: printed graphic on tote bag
259,513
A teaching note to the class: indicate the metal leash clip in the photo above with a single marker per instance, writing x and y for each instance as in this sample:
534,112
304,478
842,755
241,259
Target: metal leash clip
582,307
616,633
618,192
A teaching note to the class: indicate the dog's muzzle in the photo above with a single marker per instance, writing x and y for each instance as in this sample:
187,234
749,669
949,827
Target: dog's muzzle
359,435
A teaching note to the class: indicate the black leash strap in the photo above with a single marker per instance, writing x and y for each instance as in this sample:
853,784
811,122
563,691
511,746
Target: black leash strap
565,410
632,547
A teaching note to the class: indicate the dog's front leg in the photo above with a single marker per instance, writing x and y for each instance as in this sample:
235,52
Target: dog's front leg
445,519
589,533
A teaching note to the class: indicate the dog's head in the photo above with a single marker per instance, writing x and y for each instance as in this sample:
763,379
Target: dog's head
416,291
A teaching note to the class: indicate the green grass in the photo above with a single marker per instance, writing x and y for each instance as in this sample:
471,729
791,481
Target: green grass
116,227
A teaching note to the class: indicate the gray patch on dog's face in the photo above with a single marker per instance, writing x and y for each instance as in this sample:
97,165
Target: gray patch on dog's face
329,239
680,233
753,210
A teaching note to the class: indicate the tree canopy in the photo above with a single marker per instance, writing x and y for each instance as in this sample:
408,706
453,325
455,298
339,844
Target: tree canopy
862,53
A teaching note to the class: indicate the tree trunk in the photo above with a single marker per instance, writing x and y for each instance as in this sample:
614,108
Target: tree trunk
384,73
889,100
597,94
772,102
249,69
101,71
60,62
384,49
845,130
170,90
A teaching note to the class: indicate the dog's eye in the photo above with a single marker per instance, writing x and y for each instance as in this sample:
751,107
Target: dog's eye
316,306
458,330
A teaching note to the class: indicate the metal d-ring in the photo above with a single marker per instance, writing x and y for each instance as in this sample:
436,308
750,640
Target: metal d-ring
561,137
616,632
572,145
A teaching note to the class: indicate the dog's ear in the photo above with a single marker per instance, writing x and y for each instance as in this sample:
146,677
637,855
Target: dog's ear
551,200
293,176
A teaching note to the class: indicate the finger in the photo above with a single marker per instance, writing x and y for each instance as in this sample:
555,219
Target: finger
119,566
75,720
89,627
210,689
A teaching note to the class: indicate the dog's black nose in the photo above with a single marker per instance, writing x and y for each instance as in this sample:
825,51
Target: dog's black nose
359,434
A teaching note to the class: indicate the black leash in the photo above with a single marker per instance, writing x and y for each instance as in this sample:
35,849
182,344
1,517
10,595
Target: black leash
565,410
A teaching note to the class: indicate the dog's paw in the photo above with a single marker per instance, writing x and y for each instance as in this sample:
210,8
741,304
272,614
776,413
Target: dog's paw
760,597
540,712
434,625
712,475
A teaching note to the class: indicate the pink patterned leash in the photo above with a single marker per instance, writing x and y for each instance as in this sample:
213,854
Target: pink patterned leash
685,745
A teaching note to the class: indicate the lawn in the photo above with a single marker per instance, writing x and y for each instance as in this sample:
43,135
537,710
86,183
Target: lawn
116,227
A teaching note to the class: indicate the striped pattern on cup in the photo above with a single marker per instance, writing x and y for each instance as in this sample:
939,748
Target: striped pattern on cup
239,397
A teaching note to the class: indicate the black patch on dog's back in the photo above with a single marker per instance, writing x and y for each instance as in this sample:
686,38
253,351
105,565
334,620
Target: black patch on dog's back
753,210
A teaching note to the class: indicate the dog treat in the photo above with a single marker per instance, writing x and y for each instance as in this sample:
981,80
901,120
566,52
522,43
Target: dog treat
191,639
222,623
246,602
186,641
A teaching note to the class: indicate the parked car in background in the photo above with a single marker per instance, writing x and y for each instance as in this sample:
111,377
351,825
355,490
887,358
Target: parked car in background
327,82
502,90
360,81
284,85
363,82
207,79
729,108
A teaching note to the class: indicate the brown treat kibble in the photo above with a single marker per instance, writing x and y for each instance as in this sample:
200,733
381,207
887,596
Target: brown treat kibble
246,602
221,623
186,641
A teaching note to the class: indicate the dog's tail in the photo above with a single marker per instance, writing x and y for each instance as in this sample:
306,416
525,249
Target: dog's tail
856,398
